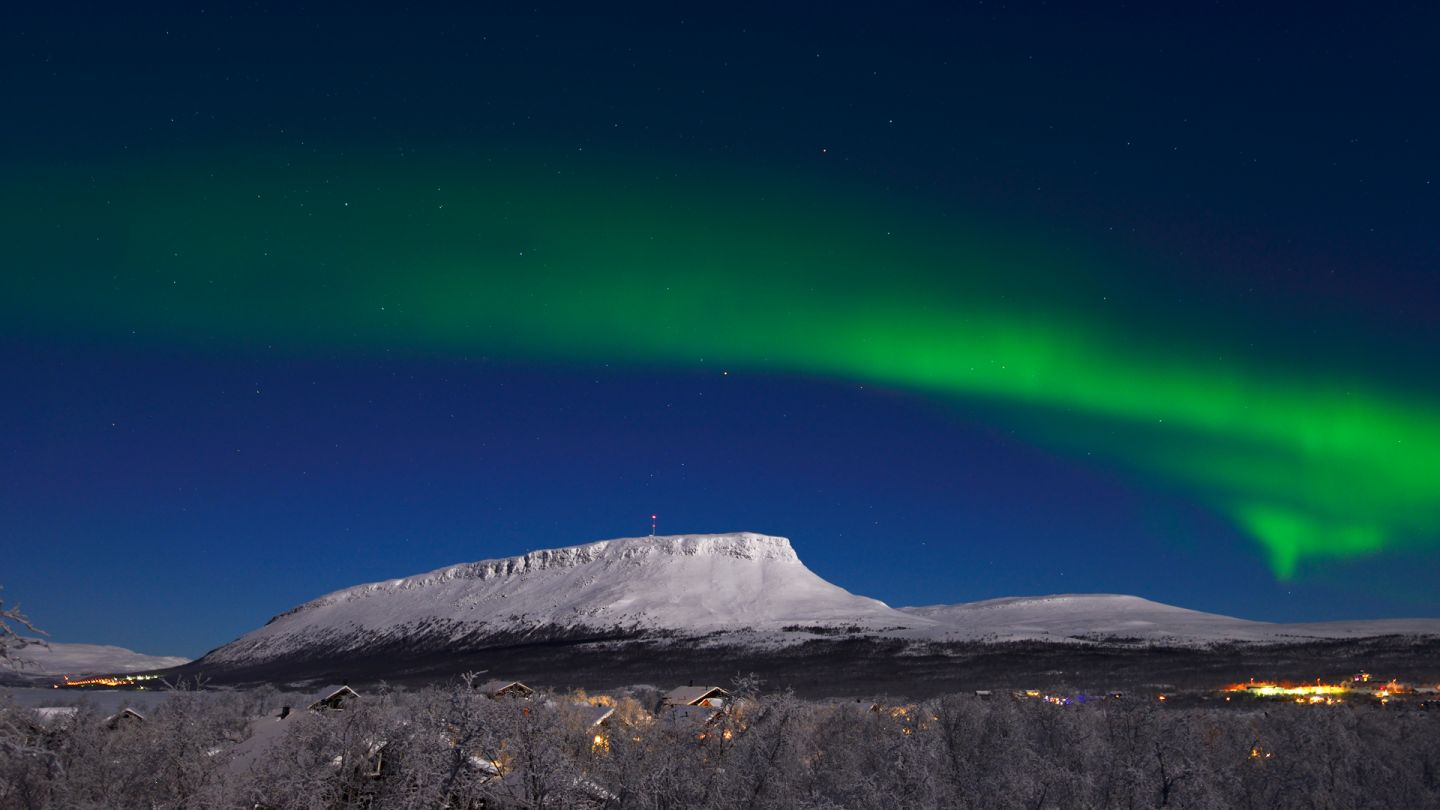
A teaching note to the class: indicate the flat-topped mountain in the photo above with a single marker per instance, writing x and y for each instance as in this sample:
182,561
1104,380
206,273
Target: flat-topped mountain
634,609
689,584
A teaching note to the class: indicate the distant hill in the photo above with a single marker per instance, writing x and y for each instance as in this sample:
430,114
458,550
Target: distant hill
57,659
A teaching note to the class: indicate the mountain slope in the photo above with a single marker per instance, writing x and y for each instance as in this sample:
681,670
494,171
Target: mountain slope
56,659
690,584
1064,617
1068,616
648,609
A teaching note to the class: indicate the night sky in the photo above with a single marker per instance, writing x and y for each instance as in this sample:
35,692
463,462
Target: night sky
968,301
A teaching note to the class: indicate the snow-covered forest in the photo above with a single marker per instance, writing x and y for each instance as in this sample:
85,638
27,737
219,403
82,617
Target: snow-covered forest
455,747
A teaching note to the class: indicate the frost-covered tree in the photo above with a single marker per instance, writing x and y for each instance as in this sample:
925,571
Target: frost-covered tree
452,747
11,622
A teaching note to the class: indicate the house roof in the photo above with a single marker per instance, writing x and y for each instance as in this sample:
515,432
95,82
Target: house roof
690,695
265,734
124,712
595,715
496,686
330,692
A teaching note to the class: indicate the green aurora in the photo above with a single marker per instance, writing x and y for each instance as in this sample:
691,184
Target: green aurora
734,272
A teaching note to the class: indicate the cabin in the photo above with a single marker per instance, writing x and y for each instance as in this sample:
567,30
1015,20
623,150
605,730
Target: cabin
265,735
712,697
330,699
124,718
593,716
373,766
594,719
692,718
505,689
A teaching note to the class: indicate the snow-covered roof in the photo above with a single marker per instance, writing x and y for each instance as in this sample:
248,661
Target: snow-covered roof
124,714
329,693
691,695
595,715
495,687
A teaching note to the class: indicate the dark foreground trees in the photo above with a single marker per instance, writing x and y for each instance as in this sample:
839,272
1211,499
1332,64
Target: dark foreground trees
454,748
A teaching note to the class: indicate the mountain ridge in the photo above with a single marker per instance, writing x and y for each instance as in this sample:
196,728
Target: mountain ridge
56,658
743,590
690,584
744,545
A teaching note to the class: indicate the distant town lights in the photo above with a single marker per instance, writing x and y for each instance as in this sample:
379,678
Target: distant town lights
108,680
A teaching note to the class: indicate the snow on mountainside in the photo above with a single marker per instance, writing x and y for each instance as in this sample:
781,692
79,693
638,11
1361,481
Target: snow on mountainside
86,659
1065,616
1093,616
736,589
691,584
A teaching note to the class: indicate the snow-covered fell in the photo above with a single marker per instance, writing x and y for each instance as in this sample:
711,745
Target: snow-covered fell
1069,617
690,584
742,589
78,660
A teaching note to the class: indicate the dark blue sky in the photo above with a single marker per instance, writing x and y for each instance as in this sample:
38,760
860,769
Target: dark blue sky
1263,179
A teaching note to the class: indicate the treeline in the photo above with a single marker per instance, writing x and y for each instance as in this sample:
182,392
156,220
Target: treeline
455,748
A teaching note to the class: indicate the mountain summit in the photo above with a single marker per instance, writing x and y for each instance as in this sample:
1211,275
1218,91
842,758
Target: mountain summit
642,608
682,584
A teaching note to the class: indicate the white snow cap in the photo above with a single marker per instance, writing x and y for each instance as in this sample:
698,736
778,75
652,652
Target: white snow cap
750,587
685,583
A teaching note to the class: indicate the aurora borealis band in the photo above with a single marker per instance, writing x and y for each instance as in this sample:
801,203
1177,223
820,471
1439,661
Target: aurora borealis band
445,259
969,301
